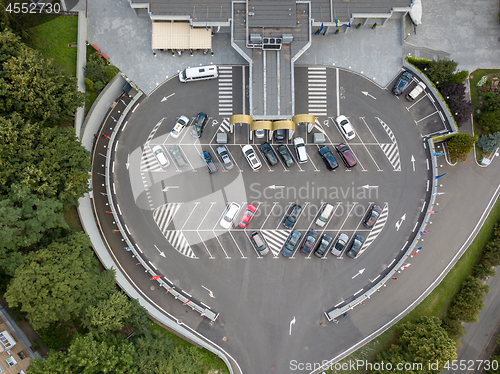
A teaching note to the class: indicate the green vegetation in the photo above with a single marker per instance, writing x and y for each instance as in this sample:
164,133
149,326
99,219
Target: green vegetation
459,147
488,143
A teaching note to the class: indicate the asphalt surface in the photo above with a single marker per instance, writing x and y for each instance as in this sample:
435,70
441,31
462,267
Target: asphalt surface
177,212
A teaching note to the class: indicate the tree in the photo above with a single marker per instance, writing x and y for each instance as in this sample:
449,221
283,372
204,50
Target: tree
95,71
460,76
184,361
32,86
59,282
99,85
89,85
111,71
153,352
440,72
453,92
459,146
490,121
138,316
454,328
109,315
467,304
461,111
488,143
87,355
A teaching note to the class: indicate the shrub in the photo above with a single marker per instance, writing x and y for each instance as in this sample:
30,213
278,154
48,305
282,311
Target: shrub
95,71
453,328
459,147
420,63
468,302
488,143
89,85
483,271
99,85
441,71
490,121
460,76
461,110
358,26
111,71
337,31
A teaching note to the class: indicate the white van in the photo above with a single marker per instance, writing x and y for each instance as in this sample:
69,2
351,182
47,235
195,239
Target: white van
199,73
325,215
419,88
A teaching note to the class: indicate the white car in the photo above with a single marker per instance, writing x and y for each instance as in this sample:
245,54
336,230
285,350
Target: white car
345,127
161,156
252,158
182,121
300,149
260,133
229,215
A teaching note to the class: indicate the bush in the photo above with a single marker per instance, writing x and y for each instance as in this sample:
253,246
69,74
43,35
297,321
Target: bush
461,111
99,85
95,71
440,72
468,302
459,147
453,328
490,121
483,271
488,143
89,85
420,63
460,76
111,71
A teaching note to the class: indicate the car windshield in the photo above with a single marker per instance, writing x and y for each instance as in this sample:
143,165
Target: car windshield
180,121
249,152
324,243
248,212
375,213
344,122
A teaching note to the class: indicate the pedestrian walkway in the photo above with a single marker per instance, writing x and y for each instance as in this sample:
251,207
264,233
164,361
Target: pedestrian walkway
316,91
225,90
275,239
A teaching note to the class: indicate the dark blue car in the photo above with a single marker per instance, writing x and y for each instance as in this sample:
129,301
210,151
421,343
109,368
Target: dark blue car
291,243
327,156
290,220
355,246
269,153
403,82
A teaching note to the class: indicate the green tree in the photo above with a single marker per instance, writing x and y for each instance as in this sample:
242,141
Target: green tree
95,71
87,355
59,282
32,86
99,85
184,361
109,315
152,352
454,328
111,71
89,85
459,147
490,121
488,143
460,76
468,302
440,72
138,316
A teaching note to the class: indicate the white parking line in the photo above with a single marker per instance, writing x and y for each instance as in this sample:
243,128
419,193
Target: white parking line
205,216
239,249
269,215
187,219
211,257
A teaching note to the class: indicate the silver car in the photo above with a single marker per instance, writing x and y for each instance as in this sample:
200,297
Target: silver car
225,158
340,244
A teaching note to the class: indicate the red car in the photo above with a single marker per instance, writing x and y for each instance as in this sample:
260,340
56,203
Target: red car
247,215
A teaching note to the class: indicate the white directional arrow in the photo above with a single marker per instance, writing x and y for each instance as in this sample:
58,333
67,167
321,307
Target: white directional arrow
168,187
359,273
161,253
368,186
166,97
273,187
367,94
292,322
210,293
413,162
127,164
400,222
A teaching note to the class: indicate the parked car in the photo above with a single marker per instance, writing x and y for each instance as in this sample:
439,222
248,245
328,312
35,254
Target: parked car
251,157
179,158
247,216
260,133
328,158
198,124
346,155
207,157
309,243
161,156
300,149
372,216
325,215
340,244
325,242
224,156
228,217
345,127
269,153
291,243
402,83
182,122
258,241
355,246
285,156
291,218
279,136
419,88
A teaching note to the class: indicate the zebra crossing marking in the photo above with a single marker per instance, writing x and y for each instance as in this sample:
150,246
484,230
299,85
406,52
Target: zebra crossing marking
275,239
377,228
391,150
316,91
224,126
225,90
179,242
149,161
164,214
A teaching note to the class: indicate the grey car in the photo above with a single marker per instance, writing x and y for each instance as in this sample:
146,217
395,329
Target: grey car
225,158
355,246
340,244
178,157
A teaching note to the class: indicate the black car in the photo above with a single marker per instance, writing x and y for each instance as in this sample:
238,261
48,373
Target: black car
207,157
269,153
291,243
285,156
355,246
290,219
178,157
403,82
309,243
325,242
372,216
346,155
279,136
327,156
198,124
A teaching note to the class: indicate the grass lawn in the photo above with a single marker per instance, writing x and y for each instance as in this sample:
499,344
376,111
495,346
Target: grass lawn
212,362
51,36
72,218
438,301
